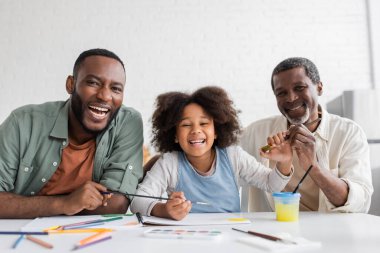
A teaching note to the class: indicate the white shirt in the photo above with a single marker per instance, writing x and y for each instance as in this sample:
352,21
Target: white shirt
163,177
341,147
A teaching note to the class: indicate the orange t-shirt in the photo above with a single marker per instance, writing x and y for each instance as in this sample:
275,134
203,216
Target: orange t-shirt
76,168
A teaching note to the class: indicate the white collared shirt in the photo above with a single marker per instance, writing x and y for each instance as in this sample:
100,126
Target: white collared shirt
341,147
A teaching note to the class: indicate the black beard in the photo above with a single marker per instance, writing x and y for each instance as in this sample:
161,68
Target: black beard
77,108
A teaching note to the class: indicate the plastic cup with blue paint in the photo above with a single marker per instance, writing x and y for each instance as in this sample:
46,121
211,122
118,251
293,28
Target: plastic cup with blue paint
286,205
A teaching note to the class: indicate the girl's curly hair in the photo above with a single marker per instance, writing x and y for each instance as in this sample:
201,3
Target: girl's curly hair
214,101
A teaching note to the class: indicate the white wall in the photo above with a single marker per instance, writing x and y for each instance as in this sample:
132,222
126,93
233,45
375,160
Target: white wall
374,22
181,45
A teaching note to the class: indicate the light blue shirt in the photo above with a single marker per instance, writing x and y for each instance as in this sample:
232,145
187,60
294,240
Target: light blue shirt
219,189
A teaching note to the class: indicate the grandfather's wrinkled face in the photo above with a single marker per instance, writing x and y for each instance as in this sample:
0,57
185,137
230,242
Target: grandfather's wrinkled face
98,92
296,95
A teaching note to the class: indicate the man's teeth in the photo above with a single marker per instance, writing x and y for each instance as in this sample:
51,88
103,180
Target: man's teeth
98,110
292,109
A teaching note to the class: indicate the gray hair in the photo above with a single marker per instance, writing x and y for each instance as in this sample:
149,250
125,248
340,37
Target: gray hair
296,62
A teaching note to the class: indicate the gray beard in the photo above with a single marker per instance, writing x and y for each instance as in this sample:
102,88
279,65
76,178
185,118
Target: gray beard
301,120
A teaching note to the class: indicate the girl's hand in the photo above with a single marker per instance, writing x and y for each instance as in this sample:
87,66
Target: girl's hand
177,207
280,151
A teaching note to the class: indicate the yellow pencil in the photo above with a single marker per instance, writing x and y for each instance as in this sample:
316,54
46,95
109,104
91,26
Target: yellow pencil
53,228
39,242
76,231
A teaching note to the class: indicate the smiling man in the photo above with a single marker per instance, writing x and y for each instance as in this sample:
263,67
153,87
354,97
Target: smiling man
60,157
335,148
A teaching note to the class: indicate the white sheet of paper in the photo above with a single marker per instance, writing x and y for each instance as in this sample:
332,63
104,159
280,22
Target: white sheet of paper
199,219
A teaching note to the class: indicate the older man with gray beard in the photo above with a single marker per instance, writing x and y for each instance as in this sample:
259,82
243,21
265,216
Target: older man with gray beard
334,148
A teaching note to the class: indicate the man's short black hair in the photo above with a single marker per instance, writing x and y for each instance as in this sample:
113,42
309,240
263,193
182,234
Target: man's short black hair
94,52
296,62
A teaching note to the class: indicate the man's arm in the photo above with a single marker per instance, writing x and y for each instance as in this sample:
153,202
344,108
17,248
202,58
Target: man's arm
304,144
87,198
122,170
116,203
335,189
14,206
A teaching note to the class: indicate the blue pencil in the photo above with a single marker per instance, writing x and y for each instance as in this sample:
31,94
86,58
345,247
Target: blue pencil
90,222
17,242
22,233
83,225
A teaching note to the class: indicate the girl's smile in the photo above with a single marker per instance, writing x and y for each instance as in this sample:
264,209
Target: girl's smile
195,133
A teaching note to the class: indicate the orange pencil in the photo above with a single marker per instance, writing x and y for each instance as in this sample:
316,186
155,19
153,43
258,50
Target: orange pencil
93,238
39,242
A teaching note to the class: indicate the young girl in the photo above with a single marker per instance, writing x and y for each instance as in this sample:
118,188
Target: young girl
196,132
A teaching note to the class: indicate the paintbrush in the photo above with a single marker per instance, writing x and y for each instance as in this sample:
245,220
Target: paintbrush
265,236
268,147
303,178
159,198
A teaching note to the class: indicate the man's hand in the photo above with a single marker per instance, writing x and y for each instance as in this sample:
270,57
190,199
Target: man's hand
87,197
303,143
85,200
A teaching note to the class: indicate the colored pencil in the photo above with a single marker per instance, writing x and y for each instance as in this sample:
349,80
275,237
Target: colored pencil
91,238
139,218
22,233
92,243
53,228
79,231
89,222
83,225
17,242
39,242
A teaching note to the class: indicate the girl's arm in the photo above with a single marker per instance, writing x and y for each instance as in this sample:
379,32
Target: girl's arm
160,179
249,171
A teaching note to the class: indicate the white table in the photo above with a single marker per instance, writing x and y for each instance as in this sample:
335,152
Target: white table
337,232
